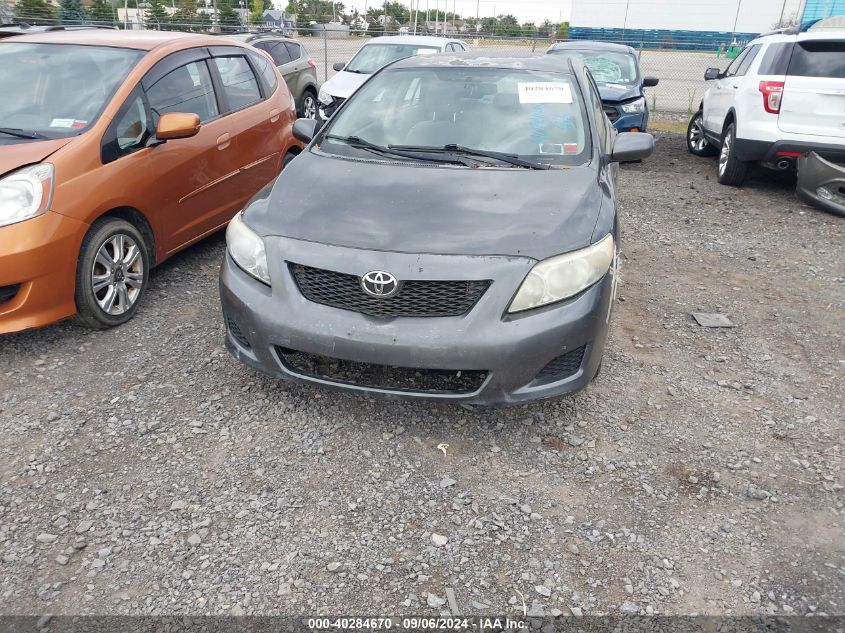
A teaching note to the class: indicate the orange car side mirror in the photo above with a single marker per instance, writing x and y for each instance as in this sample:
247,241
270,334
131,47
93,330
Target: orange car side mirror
173,125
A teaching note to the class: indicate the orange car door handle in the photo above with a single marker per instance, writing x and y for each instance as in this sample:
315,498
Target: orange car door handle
274,115
223,141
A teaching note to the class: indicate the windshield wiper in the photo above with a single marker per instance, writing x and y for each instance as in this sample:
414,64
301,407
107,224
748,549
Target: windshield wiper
17,132
359,143
460,150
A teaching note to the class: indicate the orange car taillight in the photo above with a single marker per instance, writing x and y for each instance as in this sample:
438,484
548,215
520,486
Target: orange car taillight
772,95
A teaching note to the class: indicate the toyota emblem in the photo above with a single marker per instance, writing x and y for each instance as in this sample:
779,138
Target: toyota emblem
378,283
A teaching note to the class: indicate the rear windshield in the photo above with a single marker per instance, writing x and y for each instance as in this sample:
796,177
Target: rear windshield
58,90
535,115
606,67
818,59
373,56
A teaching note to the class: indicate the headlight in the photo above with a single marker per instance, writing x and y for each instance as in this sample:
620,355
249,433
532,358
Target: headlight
26,193
564,276
325,97
634,106
247,249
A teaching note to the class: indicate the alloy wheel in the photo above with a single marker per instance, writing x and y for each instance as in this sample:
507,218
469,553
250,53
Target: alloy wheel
309,106
696,135
117,275
725,154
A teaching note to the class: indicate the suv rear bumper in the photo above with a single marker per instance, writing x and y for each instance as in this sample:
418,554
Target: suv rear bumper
822,183
751,150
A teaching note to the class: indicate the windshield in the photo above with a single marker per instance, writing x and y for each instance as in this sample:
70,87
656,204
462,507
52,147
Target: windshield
606,67
536,116
57,90
373,56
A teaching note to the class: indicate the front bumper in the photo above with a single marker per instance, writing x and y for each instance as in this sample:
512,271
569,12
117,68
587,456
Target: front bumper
38,271
822,183
625,122
263,323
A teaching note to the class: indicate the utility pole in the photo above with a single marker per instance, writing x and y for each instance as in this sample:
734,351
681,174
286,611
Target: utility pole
736,19
453,15
625,22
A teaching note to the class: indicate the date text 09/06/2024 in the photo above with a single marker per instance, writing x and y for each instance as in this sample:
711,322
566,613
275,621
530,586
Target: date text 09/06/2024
416,624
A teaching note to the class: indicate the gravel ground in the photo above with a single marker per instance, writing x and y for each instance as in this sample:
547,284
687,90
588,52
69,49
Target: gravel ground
142,470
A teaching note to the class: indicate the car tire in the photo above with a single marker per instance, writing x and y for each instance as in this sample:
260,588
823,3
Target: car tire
111,273
288,159
308,106
731,170
697,142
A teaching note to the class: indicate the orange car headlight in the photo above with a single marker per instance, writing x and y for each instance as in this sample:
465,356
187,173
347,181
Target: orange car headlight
26,193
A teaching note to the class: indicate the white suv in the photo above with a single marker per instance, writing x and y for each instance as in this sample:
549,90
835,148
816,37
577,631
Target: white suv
782,97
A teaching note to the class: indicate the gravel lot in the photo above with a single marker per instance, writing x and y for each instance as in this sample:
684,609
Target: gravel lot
142,470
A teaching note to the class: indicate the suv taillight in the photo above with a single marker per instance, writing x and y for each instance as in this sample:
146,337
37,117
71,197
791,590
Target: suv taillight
311,63
772,94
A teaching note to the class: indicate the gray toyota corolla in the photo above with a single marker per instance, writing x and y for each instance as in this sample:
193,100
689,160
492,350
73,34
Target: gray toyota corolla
451,233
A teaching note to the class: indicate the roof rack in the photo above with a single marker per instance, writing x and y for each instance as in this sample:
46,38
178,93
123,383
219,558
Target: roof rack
789,30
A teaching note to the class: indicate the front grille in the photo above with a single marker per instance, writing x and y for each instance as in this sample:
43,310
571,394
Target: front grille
347,372
611,111
415,298
7,293
236,333
563,366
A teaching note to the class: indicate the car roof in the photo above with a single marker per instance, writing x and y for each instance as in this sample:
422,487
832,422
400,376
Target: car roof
254,37
421,40
141,40
790,35
475,59
590,45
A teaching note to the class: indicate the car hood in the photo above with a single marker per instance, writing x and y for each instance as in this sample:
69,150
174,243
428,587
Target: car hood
618,92
422,209
343,84
22,152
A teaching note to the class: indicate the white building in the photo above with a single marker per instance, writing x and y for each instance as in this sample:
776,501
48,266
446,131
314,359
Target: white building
741,16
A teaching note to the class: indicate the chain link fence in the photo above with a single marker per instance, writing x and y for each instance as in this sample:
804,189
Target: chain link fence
680,67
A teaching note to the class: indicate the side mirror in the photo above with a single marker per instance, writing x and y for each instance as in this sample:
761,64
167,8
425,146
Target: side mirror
650,82
712,73
305,129
173,125
630,146
338,66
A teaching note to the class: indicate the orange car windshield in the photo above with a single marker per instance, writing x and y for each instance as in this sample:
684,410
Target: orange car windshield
57,90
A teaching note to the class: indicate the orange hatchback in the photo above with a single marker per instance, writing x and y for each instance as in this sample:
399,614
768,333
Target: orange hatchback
118,149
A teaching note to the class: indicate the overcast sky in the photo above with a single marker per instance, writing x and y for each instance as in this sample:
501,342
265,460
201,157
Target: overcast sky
755,15
524,10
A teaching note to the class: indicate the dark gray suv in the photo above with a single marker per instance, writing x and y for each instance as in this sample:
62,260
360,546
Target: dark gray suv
465,251
294,64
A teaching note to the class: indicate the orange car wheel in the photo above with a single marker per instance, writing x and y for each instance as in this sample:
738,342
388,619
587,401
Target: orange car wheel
112,273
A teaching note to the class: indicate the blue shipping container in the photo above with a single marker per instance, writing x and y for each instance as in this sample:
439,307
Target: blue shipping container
815,10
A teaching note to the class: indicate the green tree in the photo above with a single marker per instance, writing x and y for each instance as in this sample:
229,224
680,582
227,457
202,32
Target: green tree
228,18
256,15
35,11
156,16
72,12
563,31
101,12
186,17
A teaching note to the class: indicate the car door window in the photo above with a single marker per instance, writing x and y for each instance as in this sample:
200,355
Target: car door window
187,88
129,131
279,52
265,69
601,118
736,63
239,83
450,48
294,50
749,58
